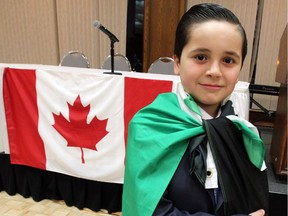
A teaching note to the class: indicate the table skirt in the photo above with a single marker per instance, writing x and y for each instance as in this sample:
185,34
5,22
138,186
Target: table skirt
41,184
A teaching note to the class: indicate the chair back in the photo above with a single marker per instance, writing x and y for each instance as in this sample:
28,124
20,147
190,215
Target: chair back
75,59
163,65
121,63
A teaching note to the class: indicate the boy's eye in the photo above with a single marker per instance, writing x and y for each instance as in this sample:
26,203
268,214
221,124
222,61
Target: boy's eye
228,60
200,58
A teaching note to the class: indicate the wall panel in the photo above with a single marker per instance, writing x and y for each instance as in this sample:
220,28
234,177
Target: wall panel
274,20
41,32
76,31
28,32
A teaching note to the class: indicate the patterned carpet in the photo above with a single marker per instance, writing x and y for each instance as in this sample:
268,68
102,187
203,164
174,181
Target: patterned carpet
20,206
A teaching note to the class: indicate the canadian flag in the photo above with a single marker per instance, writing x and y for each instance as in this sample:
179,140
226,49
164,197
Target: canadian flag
73,123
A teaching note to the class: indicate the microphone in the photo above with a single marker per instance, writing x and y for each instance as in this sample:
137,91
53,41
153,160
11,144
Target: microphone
98,25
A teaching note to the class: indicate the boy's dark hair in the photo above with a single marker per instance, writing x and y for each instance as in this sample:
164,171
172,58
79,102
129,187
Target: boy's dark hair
202,13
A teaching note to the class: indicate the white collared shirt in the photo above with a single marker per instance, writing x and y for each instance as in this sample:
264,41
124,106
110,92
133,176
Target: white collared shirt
211,178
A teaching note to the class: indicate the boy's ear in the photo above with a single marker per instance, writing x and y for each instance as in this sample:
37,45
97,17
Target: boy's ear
176,65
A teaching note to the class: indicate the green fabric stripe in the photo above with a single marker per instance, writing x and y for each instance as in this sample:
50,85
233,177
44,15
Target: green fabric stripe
253,144
189,101
162,131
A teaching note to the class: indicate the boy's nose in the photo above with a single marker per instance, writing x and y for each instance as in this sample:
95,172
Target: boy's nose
214,69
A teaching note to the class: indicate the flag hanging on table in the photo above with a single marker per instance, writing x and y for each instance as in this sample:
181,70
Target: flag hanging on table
73,123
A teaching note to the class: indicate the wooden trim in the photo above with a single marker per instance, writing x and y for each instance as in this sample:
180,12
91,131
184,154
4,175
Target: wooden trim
278,149
146,34
160,21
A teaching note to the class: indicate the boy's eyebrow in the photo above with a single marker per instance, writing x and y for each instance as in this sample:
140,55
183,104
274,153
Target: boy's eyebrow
200,50
232,53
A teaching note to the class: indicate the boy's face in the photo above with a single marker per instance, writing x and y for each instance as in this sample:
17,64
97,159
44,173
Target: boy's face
210,63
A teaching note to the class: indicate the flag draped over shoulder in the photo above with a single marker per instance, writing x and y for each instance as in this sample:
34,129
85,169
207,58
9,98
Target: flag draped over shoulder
73,123
158,137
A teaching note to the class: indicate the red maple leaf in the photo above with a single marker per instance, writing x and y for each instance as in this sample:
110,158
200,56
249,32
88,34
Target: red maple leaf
76,130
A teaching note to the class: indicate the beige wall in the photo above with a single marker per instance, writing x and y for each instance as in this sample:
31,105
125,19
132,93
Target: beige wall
41,32
76,31
274,20
28,32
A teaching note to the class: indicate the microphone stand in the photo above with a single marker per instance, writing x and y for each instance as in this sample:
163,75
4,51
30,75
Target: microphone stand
112,58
